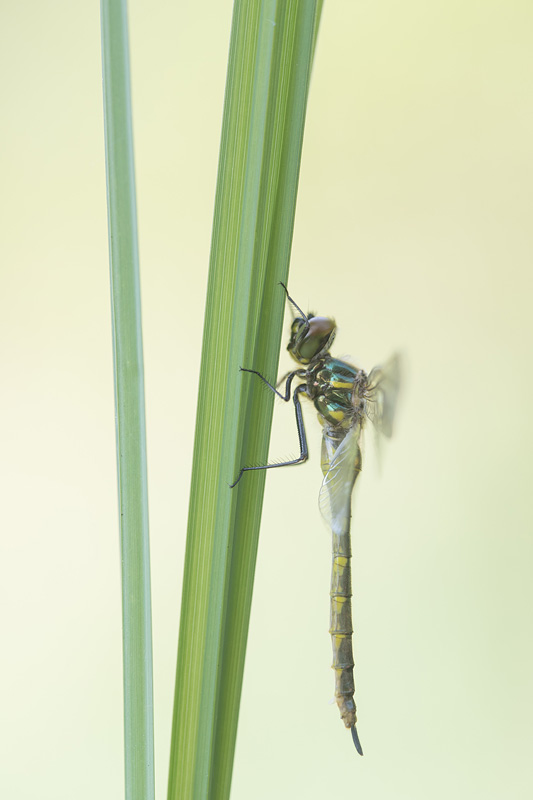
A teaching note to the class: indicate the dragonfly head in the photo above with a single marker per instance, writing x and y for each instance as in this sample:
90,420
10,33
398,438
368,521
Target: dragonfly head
311,338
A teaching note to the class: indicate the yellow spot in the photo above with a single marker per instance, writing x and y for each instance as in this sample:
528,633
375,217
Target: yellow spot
338,415
341,385
336,640
341,561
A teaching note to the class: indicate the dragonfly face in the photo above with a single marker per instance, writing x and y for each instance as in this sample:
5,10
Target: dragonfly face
311,338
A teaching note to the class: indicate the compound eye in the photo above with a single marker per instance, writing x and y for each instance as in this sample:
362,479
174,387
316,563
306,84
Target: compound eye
320,330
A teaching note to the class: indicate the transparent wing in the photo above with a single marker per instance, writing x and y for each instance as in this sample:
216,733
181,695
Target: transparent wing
381,395
341,464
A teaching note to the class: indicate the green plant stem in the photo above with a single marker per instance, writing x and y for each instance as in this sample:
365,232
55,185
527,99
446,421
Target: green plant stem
129,401
266,93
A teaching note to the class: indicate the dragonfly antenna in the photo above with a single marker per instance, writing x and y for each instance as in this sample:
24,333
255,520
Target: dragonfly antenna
356,741
289,298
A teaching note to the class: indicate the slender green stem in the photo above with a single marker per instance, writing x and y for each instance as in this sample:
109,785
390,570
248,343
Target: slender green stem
266,94
129,400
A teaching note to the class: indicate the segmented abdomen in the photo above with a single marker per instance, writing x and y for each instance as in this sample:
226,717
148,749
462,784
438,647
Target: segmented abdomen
341,464
341,627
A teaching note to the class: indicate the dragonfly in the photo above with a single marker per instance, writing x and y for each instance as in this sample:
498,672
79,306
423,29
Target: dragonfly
345,397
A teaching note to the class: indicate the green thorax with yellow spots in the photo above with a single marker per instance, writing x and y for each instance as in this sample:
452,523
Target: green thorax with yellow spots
337,390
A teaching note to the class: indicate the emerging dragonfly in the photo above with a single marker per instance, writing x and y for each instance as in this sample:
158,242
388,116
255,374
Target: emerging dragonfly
345,397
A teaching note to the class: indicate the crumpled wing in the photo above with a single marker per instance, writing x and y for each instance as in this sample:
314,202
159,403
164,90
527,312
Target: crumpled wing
381,395
341,464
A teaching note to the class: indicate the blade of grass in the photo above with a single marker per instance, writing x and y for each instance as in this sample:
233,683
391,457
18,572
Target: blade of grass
266,93
129,403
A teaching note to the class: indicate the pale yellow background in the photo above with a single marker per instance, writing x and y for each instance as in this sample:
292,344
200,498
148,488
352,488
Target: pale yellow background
414,229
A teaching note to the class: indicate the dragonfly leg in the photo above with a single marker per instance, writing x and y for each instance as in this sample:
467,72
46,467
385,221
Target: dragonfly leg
289,376
302,438
300,373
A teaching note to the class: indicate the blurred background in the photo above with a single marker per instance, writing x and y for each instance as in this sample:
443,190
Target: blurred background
413,229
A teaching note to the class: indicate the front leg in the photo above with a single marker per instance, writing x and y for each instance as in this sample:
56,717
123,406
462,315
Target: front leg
290,377
304,451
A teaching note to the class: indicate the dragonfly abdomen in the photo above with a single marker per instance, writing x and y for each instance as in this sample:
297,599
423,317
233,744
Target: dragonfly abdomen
341,628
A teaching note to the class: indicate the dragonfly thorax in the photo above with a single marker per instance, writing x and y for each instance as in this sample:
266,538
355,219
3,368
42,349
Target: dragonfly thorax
337,390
